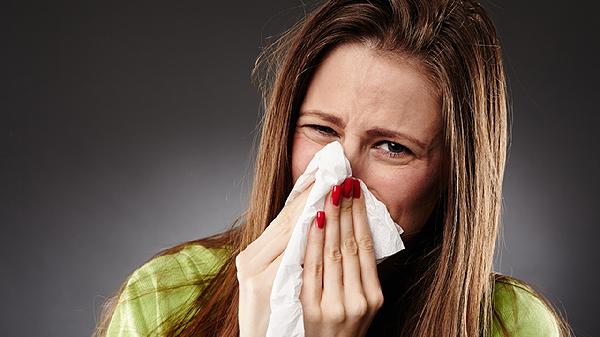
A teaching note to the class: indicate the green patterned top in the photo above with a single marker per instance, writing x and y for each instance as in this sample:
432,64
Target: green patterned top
141,308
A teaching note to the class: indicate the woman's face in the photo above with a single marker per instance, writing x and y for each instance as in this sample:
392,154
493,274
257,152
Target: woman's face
388,120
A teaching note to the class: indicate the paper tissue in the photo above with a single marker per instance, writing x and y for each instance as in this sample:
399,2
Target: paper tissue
328,167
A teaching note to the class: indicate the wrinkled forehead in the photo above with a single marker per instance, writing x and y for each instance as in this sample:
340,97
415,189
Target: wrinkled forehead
365,89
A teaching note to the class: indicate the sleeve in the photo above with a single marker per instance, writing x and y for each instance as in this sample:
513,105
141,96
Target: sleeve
520,313
161,288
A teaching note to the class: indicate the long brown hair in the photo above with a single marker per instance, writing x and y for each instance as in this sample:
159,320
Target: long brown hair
457,46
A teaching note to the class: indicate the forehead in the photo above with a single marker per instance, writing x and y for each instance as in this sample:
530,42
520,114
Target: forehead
359,84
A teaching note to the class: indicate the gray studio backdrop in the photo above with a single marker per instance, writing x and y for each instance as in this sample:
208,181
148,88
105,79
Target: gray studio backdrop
127,128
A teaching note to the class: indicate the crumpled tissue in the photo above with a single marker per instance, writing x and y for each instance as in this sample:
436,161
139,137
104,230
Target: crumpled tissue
328,167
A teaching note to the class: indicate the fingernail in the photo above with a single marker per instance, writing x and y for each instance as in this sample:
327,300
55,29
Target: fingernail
320,219
347,186
356,188
336,193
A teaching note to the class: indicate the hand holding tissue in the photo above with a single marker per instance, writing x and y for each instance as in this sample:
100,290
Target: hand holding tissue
328,167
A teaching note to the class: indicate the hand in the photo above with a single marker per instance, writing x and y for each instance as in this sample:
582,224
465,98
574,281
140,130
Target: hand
257,265
340,289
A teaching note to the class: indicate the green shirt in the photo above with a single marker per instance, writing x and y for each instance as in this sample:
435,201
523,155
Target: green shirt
141,308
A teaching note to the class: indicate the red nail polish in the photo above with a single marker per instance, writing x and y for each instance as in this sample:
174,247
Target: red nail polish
347,186
320,219
336,194
356,188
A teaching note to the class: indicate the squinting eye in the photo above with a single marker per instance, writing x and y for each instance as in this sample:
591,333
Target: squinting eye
322,129
394,150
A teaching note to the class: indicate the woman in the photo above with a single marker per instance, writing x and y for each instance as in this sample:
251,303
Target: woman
415,93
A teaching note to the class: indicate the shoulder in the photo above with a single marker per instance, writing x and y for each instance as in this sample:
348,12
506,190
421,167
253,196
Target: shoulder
184,268
181,267
162,287
520,311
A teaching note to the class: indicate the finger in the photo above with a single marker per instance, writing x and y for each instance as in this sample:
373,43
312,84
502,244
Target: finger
350,260
272,242
312,275
332,256
366,250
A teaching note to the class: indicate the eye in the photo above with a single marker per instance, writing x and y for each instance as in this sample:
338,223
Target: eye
393,150
325,130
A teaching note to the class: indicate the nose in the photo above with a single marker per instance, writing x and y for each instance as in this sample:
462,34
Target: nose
355,155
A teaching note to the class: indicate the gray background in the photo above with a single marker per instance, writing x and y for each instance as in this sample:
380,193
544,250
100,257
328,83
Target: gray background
126,128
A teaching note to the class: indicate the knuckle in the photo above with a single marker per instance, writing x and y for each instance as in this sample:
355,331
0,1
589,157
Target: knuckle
334,314
333,217
349,246
365,243
359,209
314,269
376,301
311,314
333,254
346,205
357,309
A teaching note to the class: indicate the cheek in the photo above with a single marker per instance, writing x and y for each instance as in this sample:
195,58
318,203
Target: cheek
303,150
408,193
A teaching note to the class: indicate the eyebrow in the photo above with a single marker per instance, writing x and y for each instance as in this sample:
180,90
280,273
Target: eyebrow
374,133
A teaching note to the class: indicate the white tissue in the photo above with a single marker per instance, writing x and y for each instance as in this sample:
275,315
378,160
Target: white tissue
328,167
